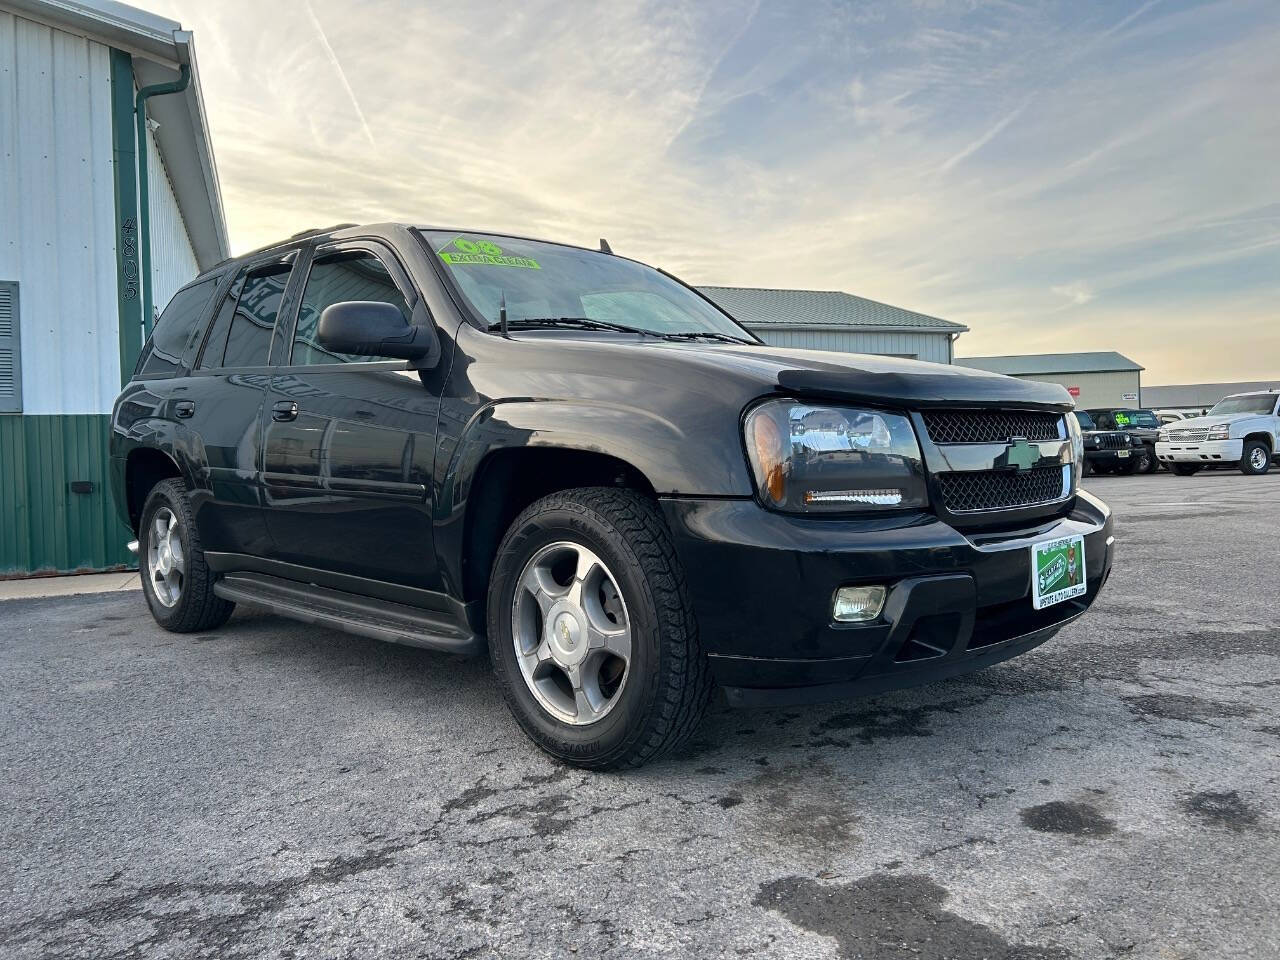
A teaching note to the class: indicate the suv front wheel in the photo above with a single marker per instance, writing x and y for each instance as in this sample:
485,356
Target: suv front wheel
591,633
176,580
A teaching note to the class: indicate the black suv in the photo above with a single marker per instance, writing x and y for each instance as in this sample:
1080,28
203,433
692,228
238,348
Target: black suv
472,442
1143,425
1110,451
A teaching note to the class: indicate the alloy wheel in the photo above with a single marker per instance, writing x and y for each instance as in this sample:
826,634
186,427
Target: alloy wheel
166,563
1258,458
572,633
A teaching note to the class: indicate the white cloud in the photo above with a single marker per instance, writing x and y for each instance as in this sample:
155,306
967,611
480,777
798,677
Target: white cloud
1077,293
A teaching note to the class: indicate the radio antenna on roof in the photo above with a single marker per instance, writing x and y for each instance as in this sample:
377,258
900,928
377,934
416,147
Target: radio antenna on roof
604,246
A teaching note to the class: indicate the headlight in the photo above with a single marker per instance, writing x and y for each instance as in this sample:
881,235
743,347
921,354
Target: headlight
1221,432
1077,442
809,458
1163,436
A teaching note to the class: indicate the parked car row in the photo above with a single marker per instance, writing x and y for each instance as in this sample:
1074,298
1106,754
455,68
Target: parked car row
1241,431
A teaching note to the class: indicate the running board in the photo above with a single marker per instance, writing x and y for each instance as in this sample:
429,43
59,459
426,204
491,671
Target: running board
380,619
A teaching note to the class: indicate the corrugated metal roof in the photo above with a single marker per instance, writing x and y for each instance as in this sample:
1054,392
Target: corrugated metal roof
1107,361
1201,394
765,307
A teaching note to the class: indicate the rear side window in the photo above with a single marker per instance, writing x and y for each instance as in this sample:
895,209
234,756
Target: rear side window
241,334
336,279
177,330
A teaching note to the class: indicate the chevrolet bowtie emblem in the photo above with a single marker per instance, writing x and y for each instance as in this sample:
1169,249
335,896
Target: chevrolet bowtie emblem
1019,456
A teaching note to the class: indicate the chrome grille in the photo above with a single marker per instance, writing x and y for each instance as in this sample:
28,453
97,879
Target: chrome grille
979,490
990,426
1192,435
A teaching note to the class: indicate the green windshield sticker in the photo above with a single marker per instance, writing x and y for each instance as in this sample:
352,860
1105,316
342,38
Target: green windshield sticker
1122,419
463,252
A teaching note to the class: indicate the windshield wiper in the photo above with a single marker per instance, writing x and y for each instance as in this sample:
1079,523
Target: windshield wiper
703,334
571,323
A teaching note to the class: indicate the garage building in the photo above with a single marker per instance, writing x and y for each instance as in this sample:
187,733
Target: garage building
834,320
96,234
1103,379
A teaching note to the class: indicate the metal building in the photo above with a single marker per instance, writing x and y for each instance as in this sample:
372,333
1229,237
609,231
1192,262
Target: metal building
94,235
833,320
1103,379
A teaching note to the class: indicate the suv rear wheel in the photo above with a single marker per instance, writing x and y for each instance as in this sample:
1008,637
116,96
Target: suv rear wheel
1255,459
591,633
176,580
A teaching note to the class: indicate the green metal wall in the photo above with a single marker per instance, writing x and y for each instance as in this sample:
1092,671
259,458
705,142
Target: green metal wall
44,527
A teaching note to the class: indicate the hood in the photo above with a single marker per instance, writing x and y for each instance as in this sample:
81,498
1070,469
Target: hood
873,379
1205,422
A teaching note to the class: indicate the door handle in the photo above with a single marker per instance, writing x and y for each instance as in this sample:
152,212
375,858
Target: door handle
185,409
284,410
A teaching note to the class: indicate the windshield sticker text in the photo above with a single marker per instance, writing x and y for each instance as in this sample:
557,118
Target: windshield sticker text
464,252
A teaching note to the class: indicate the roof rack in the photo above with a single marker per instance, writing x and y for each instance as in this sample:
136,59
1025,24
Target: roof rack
300,235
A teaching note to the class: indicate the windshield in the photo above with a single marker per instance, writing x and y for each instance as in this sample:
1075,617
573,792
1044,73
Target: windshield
1256,403
1086,421
1130,419
542,281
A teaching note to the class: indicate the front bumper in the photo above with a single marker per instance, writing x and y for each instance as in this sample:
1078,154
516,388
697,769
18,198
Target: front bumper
1202,451
1111,458
762,586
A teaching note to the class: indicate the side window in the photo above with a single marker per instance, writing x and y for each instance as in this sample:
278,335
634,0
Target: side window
241,334
177,330
358,275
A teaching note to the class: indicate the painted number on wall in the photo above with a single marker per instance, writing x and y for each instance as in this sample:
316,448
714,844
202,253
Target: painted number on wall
129,257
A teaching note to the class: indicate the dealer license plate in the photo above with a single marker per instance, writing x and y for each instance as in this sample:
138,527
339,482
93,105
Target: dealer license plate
1122,454
1057,571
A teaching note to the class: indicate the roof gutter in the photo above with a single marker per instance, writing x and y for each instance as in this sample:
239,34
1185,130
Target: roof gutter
144,187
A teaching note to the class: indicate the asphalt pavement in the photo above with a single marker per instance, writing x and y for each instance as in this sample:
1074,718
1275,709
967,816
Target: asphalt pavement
273,789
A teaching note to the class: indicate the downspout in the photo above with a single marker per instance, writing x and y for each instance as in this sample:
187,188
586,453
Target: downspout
144,191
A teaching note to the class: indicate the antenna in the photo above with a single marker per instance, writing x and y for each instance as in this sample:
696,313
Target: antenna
604,246
502,315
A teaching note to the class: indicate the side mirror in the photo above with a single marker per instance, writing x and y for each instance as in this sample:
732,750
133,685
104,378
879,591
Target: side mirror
371,328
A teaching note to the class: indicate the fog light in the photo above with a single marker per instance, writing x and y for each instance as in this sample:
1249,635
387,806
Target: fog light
857,604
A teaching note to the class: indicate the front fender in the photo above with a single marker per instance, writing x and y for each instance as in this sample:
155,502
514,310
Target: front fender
674,462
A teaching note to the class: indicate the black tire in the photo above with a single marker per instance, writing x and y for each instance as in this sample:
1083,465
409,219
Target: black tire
196,608
1255,458
1088,469
1185,469
1129,468
668,684
1147,462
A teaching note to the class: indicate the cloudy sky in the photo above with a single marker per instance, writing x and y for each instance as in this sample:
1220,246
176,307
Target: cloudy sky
1083,174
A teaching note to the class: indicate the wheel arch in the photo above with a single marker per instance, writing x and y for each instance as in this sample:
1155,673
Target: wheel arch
509,479
1263,437
144,468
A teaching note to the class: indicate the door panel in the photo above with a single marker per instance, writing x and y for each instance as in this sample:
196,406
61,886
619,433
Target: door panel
225,432
346,483
350,440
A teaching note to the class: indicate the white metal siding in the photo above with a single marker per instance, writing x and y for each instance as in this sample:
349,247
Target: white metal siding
1096,389
922,346
57,215
173,262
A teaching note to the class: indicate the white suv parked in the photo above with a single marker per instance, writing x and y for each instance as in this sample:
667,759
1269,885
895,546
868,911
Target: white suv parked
1243,429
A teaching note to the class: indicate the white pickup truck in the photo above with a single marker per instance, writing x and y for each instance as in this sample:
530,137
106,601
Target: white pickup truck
1243,429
